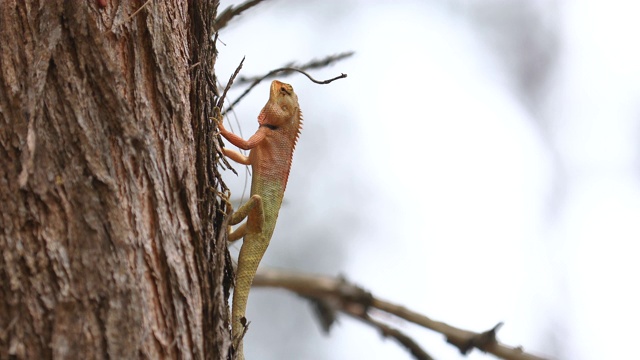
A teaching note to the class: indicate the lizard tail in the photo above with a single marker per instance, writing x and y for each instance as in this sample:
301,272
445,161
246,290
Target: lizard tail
250,256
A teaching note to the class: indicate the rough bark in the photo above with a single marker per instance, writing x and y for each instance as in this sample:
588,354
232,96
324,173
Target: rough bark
108,190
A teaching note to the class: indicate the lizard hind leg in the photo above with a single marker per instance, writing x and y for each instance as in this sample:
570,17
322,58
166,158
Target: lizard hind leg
238,233
253,212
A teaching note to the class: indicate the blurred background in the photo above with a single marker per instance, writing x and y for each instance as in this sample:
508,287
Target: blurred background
479,164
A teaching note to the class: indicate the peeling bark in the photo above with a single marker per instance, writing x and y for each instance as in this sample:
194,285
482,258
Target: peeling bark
108,188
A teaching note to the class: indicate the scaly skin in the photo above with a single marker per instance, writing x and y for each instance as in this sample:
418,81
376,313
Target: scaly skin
270,158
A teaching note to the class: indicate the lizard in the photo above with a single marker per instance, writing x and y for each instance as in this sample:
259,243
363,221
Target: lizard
271,152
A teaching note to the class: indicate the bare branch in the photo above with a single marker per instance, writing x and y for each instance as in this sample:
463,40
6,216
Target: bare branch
313,64
272,72
289,69
230,12
346,296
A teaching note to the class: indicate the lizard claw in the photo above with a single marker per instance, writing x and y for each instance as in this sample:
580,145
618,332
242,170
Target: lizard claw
225,198
217,117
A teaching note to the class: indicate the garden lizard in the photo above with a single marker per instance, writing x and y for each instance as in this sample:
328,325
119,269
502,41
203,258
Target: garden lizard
271,151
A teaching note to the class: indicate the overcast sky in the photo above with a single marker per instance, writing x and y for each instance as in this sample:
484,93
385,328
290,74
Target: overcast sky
479,164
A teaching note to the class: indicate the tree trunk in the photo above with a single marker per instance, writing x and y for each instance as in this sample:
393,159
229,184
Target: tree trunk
109,200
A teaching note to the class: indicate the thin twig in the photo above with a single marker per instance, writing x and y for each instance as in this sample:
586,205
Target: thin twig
229,83
219,105
346,295
291,68
313,64
272,72
230,12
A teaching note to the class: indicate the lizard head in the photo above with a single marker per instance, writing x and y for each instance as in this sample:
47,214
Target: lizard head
282,109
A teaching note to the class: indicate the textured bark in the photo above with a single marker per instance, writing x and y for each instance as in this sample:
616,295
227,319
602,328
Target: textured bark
108,187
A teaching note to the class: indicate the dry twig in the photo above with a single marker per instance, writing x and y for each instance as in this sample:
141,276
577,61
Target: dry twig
291,68
230,12
273,72
354,300
220,102
313,64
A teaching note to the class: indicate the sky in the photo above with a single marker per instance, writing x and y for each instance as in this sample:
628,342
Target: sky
478,165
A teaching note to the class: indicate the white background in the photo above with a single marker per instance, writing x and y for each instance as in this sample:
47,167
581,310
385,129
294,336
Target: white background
479,164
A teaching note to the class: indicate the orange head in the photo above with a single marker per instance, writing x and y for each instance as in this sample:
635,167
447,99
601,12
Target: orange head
282,109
